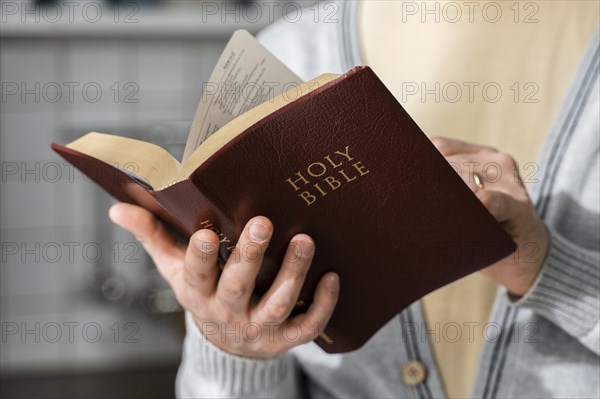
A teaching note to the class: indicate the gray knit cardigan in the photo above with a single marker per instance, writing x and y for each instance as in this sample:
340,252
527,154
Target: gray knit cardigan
545,344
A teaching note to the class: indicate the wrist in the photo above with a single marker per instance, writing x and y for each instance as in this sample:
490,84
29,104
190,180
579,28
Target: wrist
534,257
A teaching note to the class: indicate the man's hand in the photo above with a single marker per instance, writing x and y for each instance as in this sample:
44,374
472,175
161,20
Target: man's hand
222,302
504,195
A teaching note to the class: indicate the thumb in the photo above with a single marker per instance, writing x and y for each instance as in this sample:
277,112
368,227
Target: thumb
163,248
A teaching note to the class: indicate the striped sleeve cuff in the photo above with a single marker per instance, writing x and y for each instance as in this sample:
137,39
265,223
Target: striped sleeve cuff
567,290
208,371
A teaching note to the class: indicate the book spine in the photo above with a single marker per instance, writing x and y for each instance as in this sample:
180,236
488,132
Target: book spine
190,207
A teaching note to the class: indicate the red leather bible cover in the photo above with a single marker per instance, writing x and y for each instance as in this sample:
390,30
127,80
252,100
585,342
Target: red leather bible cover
348,166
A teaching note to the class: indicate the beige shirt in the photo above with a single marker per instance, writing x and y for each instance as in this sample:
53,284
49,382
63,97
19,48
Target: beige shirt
487,73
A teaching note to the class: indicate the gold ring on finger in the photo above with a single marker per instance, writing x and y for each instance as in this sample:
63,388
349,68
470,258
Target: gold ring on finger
478,181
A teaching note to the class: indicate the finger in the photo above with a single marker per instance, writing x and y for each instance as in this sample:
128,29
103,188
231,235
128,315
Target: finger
466,166
279,301
236,283
162,247
501,205
448,146
200,265
494,169
312,323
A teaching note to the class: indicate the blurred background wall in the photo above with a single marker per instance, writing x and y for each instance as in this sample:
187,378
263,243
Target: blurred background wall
83,312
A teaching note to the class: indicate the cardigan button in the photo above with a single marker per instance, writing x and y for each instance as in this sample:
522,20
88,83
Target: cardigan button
414,373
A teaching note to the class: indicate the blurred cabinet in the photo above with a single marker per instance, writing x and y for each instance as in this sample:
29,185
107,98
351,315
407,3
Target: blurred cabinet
59,309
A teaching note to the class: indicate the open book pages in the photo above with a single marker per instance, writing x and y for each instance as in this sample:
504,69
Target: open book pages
246,75
156,168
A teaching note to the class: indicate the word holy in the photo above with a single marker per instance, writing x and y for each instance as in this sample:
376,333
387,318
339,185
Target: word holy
327,176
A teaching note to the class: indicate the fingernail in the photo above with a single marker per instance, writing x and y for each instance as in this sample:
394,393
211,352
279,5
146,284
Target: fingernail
204,245
259,232
332,283
303,249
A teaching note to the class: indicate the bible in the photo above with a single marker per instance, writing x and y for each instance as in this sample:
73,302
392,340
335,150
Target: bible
337,158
